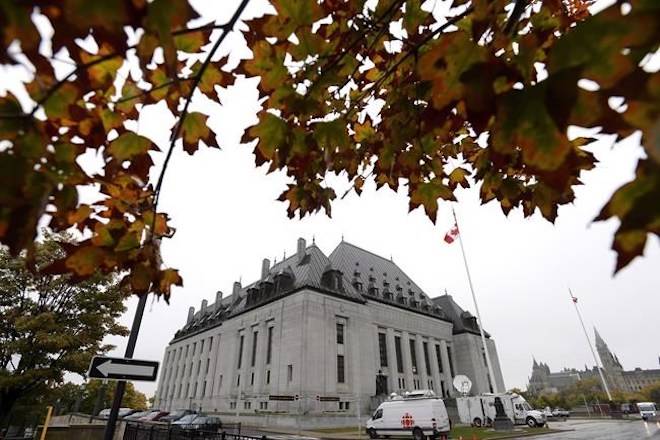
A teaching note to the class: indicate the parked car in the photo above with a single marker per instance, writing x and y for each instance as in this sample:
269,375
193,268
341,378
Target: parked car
198,422
154,416
560,413
123,412
137,416
176,415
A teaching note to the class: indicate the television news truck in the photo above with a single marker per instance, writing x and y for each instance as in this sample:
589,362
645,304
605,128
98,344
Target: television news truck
480,410
418,414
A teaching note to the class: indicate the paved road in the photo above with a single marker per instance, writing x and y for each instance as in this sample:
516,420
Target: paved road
603,430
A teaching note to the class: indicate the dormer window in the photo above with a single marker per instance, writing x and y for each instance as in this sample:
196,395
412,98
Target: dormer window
357,285
283,282
373,291
332,279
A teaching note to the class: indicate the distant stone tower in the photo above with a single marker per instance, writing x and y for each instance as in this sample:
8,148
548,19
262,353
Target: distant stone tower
611,365
538,382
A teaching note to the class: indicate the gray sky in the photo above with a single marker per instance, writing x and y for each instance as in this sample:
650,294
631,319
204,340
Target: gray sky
227,219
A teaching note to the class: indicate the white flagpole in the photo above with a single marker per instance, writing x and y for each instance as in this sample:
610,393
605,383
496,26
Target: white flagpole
476,308
593,353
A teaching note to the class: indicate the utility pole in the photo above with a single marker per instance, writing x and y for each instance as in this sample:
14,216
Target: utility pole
593,353
121,385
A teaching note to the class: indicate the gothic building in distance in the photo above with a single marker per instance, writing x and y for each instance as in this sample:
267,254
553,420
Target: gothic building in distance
319,335
543,380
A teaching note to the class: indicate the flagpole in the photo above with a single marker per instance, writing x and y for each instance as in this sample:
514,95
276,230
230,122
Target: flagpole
476,307
593,353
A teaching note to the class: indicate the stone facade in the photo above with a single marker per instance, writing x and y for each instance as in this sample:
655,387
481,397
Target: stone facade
334,333
543,380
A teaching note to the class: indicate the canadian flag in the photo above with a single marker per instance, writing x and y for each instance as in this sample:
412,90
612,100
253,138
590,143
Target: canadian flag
452,234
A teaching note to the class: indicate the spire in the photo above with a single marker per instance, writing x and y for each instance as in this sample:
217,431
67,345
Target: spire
599,341
536,365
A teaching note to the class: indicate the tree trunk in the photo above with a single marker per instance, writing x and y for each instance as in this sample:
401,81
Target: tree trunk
7,401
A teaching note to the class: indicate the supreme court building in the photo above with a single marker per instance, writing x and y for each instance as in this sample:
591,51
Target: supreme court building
319,335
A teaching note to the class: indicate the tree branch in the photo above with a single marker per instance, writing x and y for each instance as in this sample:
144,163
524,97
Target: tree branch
450,22
177,128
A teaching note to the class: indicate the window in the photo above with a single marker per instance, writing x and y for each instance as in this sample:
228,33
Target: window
208,363
442,388
451,363
439,357
232,405
238,380
413,356
210,343
378,414
263,405
201,347
240,351
195,390
188,390
340,333
340,369
178,392
219,381
194,348
289,373
199,366
382,348
269,349
267,377
255,337
247,405
186,355
252,379
344,405
399,358
425,346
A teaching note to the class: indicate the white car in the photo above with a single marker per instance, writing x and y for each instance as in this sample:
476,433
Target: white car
416,417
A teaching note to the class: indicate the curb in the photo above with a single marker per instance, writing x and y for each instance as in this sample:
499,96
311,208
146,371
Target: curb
532,434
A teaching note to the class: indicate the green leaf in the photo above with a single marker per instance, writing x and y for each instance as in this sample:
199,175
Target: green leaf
523,121
444,63
427,194
194,129
272,133
129,145
57,105
332,135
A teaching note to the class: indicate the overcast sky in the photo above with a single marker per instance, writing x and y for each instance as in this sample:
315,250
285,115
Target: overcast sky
227,220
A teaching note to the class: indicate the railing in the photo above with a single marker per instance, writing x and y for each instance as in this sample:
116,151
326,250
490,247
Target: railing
143,431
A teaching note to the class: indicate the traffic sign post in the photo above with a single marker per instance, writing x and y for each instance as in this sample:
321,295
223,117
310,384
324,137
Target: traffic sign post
121,385
108,368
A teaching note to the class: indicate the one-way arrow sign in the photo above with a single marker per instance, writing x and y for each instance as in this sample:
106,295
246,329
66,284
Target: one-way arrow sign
109,368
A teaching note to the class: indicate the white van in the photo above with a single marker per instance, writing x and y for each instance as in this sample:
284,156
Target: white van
647,410
415,416
480,410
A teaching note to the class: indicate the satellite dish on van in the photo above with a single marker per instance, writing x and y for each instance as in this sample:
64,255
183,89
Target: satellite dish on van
462,383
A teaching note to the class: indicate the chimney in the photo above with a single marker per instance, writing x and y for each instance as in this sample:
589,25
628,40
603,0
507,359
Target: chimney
236,290
301,249
265,268
191,314
218,299
204,304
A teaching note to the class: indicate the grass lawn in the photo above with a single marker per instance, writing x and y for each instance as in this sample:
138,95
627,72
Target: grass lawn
466,432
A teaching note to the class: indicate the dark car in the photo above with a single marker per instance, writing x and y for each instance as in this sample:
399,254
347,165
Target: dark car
199,422
176,415
154,416
138,415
